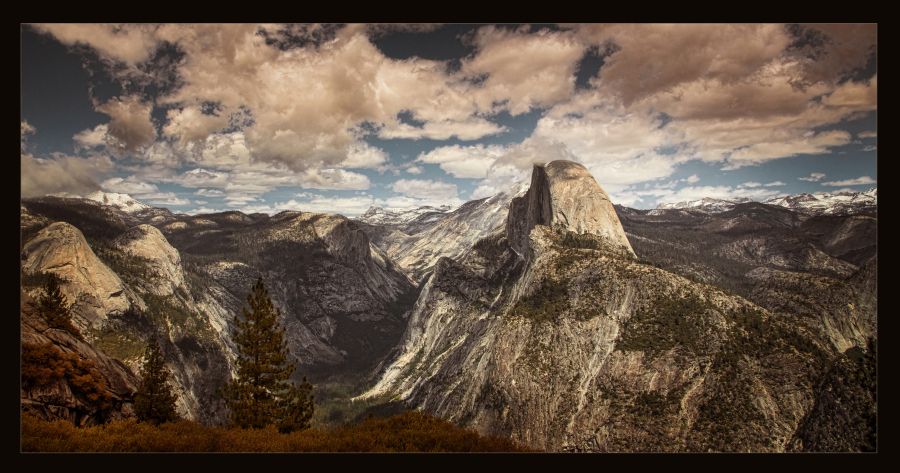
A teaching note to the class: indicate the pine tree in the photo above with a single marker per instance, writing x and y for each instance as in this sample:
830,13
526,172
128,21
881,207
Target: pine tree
54,308
154,401
262,393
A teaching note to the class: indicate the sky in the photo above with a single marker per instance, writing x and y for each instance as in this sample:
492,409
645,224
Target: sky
201,118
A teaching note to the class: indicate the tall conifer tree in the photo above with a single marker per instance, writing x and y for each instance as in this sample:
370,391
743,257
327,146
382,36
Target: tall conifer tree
154,401
54,308
262,393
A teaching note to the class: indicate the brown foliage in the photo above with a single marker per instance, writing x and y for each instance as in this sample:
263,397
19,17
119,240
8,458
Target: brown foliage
43,365
406,432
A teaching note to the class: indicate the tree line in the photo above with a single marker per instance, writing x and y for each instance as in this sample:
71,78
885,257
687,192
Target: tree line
261,393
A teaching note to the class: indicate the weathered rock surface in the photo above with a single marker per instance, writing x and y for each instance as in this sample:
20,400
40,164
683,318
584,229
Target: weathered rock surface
417,245
97,292
552,333
563,194
59,400
146,242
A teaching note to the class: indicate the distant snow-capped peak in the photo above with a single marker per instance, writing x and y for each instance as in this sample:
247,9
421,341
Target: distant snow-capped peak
382,216
123,202
826,203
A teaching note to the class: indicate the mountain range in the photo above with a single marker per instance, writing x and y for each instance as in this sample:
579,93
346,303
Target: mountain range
544,313
820,203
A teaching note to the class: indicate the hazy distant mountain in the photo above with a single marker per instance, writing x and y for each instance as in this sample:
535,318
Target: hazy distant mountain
382,216
837,203
123,202
542,313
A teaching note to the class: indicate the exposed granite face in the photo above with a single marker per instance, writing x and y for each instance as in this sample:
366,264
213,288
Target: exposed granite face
563,194
96,291
146,242
342,300
416,246
553,334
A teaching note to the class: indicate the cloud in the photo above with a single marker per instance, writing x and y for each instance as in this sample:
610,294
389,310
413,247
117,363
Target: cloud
775,184
464,161
62,174
426,189
413,169
813,177
363,155
165,198
92,137
870,148
130,123
692,179
129,185
648,59
867,134
209,192
859,181
26,131
524,70
130,44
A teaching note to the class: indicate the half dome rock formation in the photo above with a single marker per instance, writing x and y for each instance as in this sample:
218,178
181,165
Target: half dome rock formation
553,334
96,291
564,195
150,247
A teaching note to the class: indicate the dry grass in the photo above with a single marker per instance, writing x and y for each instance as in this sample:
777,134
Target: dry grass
406,432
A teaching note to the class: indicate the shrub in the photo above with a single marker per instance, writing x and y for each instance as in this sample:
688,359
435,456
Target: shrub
406,432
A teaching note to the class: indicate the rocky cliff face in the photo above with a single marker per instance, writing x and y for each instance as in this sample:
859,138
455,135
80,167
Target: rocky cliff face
343,301
147,243
563,194
552,333
63,397
417,245
97,292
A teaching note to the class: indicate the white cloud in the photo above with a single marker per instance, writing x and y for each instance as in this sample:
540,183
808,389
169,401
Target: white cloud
202,210
363,155
813,177
27,129
775,184
859,181
692,179
870,148
464,161
426,189
92,137
130,185
165,198
209,192
818,143
867,134
413,170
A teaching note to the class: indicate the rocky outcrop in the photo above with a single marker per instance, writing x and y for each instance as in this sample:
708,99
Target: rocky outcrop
552,333
60,397
563,194
164,272
418,245
96,291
